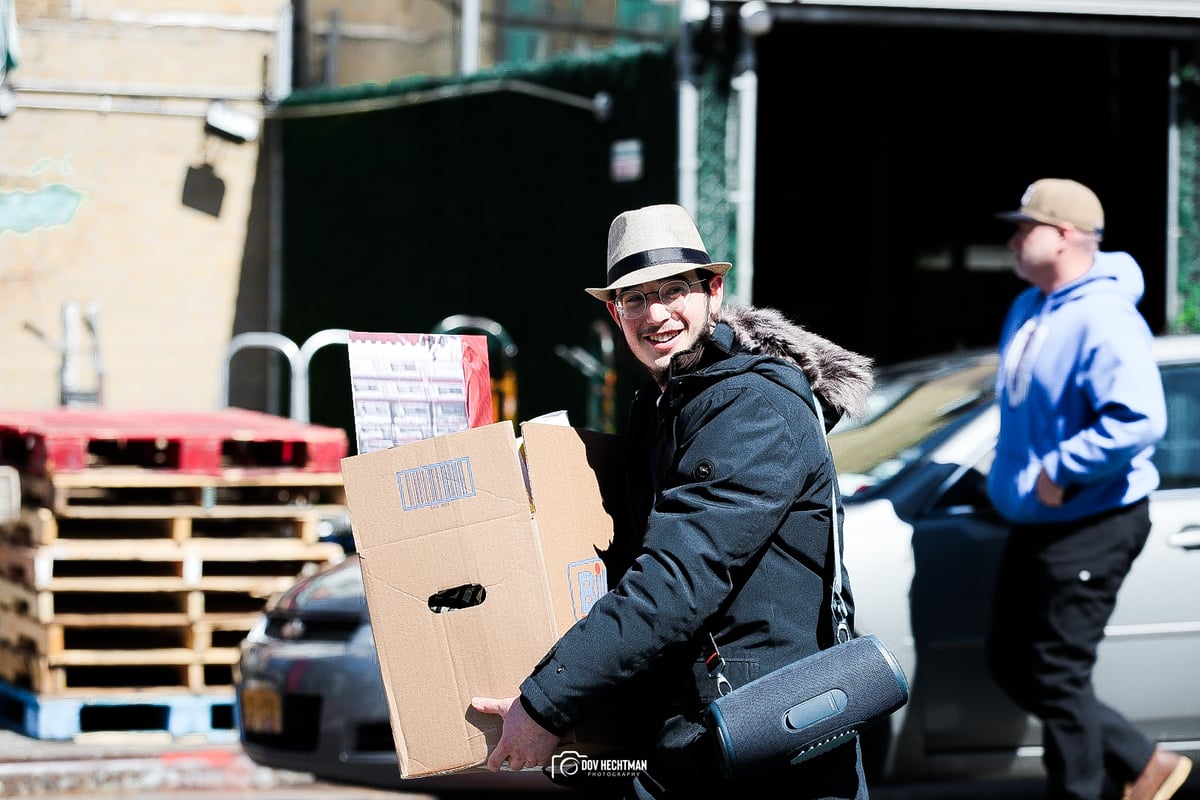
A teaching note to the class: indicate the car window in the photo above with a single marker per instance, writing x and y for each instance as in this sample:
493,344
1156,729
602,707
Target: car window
910,412
915,406
1178,454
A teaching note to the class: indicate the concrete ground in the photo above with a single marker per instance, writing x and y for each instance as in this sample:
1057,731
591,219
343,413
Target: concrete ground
154,765
130,763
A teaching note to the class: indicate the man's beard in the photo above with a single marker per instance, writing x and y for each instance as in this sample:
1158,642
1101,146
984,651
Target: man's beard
687,360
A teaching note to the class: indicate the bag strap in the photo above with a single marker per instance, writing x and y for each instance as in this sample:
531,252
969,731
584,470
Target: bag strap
841,614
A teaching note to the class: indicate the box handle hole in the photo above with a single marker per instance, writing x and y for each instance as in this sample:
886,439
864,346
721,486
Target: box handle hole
465,596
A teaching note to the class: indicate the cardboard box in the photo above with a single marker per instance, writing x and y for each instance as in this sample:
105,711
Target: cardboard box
471,573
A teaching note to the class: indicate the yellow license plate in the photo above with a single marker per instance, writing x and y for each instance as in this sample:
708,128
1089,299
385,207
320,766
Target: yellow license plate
262,709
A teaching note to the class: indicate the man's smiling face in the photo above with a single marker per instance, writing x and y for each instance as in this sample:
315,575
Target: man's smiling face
660,332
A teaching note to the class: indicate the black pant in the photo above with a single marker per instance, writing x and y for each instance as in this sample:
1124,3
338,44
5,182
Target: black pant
694,774
1055,591
835,775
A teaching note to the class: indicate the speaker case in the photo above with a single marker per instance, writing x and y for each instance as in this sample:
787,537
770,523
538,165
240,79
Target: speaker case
808,707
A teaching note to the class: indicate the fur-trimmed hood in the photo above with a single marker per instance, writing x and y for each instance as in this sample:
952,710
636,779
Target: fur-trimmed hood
844,379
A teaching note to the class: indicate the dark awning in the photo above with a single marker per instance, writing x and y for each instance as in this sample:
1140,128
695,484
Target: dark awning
1175,19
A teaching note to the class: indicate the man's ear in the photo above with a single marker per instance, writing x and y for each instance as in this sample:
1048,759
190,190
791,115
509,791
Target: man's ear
612,311
716,287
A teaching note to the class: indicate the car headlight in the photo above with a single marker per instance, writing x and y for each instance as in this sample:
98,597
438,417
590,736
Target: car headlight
258,632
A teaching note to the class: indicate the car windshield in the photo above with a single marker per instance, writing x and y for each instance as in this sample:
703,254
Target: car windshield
911,404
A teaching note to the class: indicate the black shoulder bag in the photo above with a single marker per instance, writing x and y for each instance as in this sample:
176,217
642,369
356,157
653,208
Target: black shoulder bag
812,705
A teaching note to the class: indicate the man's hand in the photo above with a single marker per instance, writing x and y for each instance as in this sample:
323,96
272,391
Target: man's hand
523,743
1049,493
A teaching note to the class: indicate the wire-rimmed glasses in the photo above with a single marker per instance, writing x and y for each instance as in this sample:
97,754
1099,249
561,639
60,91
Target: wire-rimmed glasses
631,303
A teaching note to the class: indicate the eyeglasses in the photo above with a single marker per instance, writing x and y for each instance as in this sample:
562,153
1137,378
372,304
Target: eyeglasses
631,304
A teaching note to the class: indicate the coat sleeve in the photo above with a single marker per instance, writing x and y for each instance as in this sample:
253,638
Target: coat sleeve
743,456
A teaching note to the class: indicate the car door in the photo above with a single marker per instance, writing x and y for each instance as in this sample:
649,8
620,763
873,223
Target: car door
1151,652
967,723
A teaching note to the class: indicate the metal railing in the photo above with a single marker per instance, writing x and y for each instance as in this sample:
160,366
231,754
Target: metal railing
298,357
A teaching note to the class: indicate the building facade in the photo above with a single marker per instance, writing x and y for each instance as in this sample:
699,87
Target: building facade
153,206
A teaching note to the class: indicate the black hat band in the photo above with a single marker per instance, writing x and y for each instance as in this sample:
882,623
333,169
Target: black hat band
650,258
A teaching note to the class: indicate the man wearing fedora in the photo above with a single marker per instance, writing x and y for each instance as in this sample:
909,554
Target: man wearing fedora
730,481
1081,408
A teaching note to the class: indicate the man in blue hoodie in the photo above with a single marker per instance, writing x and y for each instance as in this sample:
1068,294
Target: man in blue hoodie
1081,408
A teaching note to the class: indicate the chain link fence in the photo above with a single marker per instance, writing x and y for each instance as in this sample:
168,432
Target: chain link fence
717,167
1188,278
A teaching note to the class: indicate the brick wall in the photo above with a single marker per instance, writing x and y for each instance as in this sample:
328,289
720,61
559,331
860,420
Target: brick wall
111,193
121,200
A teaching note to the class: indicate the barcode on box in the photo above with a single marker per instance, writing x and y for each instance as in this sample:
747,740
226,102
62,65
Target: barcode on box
436,484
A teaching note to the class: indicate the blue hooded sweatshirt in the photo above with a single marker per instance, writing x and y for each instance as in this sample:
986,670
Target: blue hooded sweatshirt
1080,396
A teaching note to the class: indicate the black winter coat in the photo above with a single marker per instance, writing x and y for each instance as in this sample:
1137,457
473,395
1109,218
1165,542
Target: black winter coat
730,482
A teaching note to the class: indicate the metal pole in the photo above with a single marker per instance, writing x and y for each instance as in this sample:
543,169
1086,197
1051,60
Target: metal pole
280,88
301,409
468,57
331,48
68,381
301,74
689,116
258,339
745,86
754,20
1171,287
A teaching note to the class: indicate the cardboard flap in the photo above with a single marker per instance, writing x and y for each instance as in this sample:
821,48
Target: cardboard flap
577,480
419,488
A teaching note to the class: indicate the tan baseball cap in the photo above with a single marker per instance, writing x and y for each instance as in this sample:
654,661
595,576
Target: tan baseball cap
1057,201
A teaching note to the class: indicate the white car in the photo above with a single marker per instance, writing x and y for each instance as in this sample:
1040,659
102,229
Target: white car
922,542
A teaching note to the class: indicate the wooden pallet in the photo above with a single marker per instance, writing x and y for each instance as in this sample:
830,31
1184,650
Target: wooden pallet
162,607
81,672
39,526
168,596
145,548
66,440
133,493
139,614
209,716
81,633
160,564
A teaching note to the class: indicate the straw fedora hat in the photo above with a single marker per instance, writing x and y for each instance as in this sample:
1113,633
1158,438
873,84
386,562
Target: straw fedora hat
653,243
